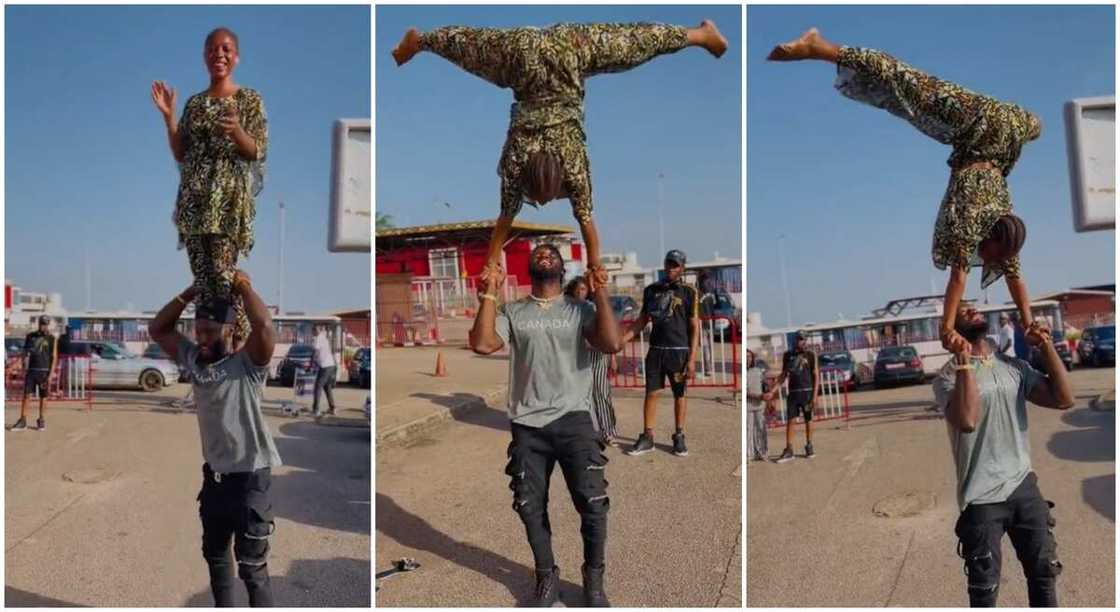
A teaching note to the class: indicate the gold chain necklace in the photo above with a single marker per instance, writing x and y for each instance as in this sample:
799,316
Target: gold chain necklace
543,303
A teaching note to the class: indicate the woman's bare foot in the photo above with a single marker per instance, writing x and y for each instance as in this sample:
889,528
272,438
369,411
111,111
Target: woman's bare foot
408,47
810,45
707,35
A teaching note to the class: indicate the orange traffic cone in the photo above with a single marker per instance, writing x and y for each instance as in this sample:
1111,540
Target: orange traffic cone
441,368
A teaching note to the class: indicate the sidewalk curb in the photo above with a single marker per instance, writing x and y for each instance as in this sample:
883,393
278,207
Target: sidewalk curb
406,431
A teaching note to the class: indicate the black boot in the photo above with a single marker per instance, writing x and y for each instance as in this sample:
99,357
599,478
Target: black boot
593,592
548,588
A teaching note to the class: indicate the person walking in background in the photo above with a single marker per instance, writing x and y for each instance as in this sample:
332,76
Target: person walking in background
800,367
323,357
1006,335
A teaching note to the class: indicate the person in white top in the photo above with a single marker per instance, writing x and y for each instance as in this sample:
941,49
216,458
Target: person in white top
328,370
1006,335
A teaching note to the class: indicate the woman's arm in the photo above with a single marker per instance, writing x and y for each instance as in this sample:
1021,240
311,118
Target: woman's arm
164,98
249,133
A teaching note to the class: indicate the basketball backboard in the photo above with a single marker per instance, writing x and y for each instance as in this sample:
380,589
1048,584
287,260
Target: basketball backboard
349,228
1091,145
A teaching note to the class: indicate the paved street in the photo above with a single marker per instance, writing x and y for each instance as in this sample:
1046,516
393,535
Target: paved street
101,511
813,538
443,499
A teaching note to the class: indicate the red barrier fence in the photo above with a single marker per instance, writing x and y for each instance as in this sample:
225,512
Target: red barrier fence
717,365
71,381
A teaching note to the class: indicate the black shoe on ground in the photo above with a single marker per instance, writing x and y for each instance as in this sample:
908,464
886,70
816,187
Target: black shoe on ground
41,425
548,588
787,455
21,425
594,595
809,454
679,449
643,445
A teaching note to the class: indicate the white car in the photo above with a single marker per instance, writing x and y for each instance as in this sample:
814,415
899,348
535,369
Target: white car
116,366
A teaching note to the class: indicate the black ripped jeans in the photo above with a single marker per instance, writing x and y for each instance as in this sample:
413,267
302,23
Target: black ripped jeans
1025,516
236,507
572,442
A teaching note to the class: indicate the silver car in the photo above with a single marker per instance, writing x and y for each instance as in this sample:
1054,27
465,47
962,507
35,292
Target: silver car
115,366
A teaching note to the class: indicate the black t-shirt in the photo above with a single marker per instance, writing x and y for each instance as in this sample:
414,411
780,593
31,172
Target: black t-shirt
670,307
40,350
802,368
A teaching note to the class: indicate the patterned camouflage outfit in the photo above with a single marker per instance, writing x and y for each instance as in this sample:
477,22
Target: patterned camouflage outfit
979,128
214,210
546,69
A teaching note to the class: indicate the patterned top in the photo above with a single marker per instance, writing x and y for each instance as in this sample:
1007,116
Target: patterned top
546,69
216,184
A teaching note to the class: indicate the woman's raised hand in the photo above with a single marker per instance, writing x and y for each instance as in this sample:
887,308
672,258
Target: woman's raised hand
164,98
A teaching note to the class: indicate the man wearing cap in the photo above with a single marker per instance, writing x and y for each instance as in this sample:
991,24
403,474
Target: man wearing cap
40,354
674,308
238,449
799,367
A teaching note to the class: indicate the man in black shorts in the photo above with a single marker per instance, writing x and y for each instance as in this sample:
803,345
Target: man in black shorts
674,308
40,353
799,366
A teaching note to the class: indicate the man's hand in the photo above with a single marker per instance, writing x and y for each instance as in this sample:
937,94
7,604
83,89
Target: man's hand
190,293
596,278
963,354
954,342
491,279
241,281
230,122
1037,333
691,369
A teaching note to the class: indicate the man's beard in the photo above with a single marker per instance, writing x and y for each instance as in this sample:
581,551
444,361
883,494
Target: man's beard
972,330
538,275
217,351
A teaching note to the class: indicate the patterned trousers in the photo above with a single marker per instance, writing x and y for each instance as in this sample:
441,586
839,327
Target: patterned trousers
213,259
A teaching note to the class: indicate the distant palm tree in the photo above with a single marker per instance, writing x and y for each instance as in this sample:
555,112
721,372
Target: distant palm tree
384,221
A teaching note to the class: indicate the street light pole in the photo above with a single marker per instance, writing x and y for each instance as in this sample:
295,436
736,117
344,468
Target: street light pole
661,213
785,280
280,276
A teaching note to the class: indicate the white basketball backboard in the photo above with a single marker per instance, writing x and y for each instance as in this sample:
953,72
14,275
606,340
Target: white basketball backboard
1091,144
349,228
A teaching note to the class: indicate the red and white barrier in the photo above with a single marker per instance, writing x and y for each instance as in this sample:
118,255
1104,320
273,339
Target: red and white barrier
717,364
71,381
832,402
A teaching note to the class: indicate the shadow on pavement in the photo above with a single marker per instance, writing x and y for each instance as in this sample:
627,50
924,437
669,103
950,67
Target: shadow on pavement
479,413
1093,440
15,598
411,531
1099,493
308,583
323,456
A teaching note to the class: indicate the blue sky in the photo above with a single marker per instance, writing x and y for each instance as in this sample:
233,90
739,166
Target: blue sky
440,132
88,164
855,190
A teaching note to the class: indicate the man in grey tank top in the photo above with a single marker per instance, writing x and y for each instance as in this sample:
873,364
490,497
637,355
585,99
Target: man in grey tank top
983,394
550,376
239,451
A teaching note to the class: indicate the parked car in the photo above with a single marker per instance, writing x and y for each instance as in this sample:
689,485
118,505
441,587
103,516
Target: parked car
155,351
1060,346
1097,346
298,355
115,366
722,307
842,364
897,364
625,307
13,347
358,368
